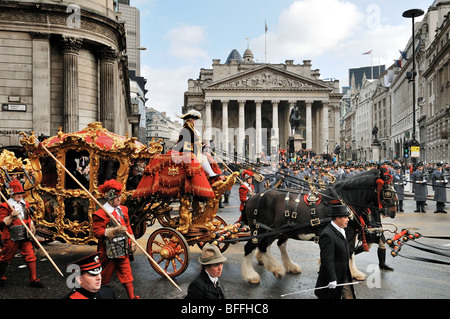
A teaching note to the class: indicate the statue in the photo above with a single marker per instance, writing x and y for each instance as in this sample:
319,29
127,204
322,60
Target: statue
375,134
295,120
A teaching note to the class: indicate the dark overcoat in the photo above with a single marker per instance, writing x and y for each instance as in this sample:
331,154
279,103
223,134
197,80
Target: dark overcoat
203,288
334,258
438,181
420,186
399,185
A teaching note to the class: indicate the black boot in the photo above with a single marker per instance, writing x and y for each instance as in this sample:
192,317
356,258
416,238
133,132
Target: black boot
417,208
422,207
382,260
3,266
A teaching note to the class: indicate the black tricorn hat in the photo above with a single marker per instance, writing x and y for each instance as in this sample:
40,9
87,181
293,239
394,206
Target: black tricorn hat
339,211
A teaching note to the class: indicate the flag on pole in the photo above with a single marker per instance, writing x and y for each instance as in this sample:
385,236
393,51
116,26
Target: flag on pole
266,28
368,52
398,63
404,54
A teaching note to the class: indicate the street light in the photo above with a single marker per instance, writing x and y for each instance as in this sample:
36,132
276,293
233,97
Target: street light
413,13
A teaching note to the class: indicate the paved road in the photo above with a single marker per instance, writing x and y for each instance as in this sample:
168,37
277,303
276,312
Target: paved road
411,279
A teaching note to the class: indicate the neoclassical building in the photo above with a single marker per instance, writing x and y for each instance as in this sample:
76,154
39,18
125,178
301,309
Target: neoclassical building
246,105
62,64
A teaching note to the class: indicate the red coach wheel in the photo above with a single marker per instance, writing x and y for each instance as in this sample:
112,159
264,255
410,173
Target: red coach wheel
169,249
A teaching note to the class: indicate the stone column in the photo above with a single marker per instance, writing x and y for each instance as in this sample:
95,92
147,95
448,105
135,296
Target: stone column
71,46
41,84
275,115
225,127
337,125
208,121
309,124
241,132
107,57
275,134
318,133
325,126
258,141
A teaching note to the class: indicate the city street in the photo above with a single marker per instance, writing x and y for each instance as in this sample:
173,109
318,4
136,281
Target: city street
411,279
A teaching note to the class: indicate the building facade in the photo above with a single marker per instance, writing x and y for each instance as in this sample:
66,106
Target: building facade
246,105
62,65
132,20
436,101
160,127
387,102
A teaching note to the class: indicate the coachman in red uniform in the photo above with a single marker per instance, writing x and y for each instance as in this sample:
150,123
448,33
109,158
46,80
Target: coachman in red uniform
244,189
15,236
114,245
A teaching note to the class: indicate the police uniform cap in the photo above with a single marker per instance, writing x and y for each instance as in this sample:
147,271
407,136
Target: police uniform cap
90,264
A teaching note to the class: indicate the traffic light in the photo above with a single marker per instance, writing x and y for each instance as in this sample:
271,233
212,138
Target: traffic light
406,150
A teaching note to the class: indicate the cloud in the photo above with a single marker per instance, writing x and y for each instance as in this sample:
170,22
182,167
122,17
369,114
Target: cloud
186,42
308,28
166,88
383,40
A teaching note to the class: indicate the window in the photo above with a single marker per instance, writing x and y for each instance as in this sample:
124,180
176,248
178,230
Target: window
49,172
77,163
107,170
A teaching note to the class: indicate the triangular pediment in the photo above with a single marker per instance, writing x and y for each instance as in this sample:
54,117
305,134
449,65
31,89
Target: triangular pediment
267,77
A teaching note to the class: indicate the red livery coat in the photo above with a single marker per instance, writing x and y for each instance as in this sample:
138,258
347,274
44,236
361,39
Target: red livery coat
243,194
5,211
120,265
10,247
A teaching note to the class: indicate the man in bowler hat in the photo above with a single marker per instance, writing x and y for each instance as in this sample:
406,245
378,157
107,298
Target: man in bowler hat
334,257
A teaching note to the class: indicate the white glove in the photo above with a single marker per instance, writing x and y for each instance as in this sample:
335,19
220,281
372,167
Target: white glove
111,232
332,284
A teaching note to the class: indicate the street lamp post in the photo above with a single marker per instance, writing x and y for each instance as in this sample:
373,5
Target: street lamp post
413,13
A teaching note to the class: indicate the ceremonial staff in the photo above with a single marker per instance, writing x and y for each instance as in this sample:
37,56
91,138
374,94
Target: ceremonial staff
32,236
111,217
214,154
297,292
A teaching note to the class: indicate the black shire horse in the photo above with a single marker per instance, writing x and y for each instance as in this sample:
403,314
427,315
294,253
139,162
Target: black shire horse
288,214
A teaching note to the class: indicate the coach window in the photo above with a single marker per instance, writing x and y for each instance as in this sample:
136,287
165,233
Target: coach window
107,170
77,163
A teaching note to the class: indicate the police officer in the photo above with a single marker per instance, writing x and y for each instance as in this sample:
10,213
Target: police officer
420,188
440,195
399,186
346,174
89,280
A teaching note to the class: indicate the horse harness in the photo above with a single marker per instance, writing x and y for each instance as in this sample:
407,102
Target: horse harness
312,200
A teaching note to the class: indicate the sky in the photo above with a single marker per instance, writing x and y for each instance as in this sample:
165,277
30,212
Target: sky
184,36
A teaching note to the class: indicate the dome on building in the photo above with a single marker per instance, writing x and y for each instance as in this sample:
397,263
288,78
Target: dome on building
248,56
234,55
